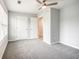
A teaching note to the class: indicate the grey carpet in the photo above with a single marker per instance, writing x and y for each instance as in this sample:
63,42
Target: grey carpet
36,49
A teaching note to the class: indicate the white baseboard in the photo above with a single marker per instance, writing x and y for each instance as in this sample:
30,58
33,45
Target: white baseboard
47,42
55,42
70,45
22,39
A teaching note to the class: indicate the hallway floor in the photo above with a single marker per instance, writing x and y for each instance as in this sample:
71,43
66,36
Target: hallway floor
36,49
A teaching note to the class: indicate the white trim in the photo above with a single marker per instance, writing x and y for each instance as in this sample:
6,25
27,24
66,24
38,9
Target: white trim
47,42
21,39
55,42
70,45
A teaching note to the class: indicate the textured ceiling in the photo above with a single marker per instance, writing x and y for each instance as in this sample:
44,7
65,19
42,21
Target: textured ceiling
28,6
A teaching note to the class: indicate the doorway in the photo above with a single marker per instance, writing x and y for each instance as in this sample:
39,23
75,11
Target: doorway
40,28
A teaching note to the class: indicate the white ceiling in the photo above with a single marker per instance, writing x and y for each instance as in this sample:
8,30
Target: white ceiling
28,6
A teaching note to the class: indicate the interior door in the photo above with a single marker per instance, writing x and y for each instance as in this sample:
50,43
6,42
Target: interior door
22,28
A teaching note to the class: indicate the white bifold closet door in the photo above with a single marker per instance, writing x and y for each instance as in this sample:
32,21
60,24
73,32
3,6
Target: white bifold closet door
25,28
22,28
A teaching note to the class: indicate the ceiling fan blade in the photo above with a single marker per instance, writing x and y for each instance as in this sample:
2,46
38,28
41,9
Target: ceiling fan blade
52,4
39,1
44,0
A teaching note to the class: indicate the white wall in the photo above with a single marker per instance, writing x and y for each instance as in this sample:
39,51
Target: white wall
3,28
55,19
21,26
69,23
3,6
33,28
50,25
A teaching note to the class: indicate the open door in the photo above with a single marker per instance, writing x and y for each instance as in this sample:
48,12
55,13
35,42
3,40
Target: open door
40,28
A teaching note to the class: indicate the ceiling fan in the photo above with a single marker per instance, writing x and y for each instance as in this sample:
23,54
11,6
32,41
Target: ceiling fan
44,4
